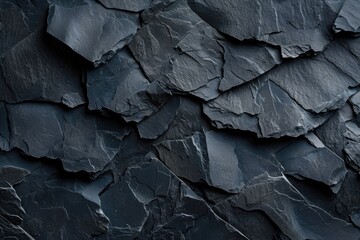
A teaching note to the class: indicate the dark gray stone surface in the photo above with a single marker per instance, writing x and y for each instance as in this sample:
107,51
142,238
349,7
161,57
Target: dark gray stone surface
81,141
245,62
348,20
33,71
124,90
298,27
105,33
179,119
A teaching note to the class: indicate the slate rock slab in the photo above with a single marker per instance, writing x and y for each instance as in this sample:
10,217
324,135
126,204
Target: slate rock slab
179,119
259,107
347,21
317,162
60,207
11,211
36,70
315,89
122,87
223,161
105,33
164,206
245,62
81,141
187,60
298,27
290,211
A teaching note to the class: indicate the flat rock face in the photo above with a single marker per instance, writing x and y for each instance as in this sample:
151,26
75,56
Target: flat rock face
187,60
245,62
80,141
123,89
199,159
346,20
259,107
179,119
314,89
298,27
32,71
317,162
106,31
279,200
150,188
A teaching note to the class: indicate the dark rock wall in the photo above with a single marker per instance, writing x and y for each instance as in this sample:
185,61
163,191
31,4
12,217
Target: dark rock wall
175,119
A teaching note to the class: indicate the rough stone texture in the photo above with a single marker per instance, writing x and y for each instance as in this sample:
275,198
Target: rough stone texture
245,62
106,30
80,141
179,119
348,20
298,27
124,90
32,70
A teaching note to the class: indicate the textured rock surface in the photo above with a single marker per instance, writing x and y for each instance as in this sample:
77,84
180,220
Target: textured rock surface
179,119
298,27
348,20
80,141
106,30
32,70
124,90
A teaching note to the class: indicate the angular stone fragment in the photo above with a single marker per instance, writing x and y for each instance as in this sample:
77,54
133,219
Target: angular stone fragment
317,85
125,211
348,19
245,62
263,108
341,205
290,211
189,59
172,209
153,46
254,224
200,159
81,141
11,213
218,159
12,175
105,33
355,102
298,27
303,159
200,66
341,133
332,132
57,211
127,5
352,144
157,124
57,205
121,87
188,120
325,81
355,218
36,69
